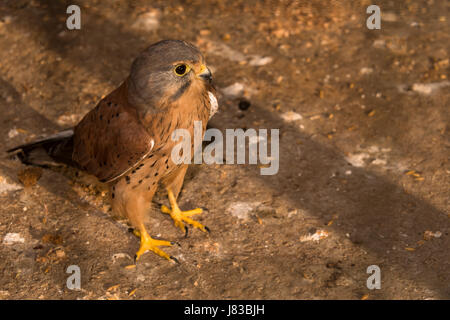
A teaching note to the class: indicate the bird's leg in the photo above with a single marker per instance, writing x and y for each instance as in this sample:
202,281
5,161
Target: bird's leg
148,243
179,217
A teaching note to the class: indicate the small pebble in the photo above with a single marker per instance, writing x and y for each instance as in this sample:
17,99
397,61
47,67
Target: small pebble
428,88
12,238
291,116
234,90
244,105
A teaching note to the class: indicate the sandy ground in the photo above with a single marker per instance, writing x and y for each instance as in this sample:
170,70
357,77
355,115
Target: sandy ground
364,152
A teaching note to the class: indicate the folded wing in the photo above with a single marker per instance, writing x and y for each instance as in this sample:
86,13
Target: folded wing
110,140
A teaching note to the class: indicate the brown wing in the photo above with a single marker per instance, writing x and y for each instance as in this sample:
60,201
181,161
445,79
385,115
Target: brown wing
110,139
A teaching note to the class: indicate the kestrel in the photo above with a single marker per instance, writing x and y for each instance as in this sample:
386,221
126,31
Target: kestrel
126,142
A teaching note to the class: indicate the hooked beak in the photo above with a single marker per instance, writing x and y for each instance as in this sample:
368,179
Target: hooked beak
205,74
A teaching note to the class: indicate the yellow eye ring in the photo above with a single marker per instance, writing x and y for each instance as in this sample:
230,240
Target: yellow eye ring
181,69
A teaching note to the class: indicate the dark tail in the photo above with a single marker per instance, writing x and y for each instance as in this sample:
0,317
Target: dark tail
53,150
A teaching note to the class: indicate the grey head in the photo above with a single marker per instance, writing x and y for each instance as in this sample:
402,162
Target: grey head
163,72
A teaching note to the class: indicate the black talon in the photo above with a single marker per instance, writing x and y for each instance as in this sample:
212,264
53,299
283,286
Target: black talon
135,257
158,203
186,231
174,242
204,209
207,229
175,259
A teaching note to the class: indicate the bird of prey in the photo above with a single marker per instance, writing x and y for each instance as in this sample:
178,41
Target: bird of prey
126,142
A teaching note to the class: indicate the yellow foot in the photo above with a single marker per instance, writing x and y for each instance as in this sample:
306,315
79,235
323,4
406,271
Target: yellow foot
179,217
150,244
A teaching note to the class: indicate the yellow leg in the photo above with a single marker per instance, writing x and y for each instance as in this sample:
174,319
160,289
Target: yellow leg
150,244
179,216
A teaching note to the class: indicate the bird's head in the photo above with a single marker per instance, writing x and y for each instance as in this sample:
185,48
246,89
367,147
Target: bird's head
166,71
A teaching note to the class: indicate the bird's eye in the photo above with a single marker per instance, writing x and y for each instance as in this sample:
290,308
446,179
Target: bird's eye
181,69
